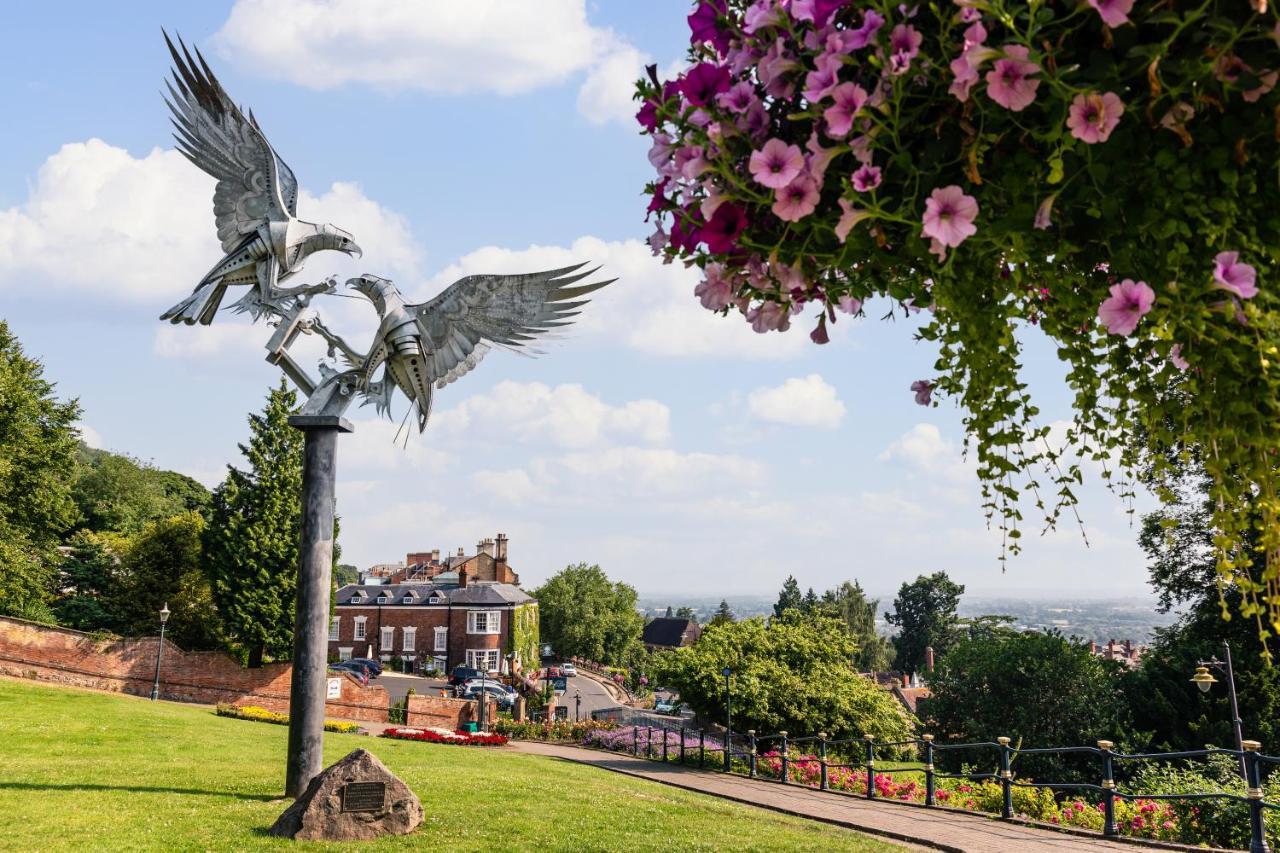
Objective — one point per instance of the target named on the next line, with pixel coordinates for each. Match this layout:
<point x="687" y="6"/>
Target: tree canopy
<point x="117" y="493"/>
<point x="925" y="614"/>
<point x="849" y="603"/>
<point x="584" y="614"/>
<point x="789" y="597"/>
<point x="38" y="443"/>
<point x="791" y="673"/>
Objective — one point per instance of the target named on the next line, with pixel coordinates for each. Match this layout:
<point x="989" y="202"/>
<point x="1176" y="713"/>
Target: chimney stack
<point x="462" y="578"/>
<point x="928" y="658"/>
<point x="500" y="549"/>
<point x="435" y="555"/>
<point x="460" y="552"/>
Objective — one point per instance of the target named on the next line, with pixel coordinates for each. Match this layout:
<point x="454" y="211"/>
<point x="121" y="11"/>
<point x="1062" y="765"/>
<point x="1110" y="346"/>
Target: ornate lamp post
<point x="1204" y="680"/>
<point x="577" y="705"/>
<point x="164" y="617"/>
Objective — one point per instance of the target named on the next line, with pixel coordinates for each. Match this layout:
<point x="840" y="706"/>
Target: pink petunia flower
<point x="849" y="305"/>
<point x="849" y="217"/>
<point x="857" y="39"/>
<point x="1010" y="83"/>
<point x="1176" y="359"/>
<point x="1113" y="12"/>
<point x="866" y="178"/>
<point x="1044" y="213"/>
<point x="738" y="99"/>
<point x="776" y="164"/>
<point x="716" y="290"/>
<point x="818" y="158"/>
<point x="904" y="44"/>
<point x="816" y="11"/>
<point x="769" y="316"/>
<point x="761" y="14"/>
<point x="1128" y="303"/>
<point x="849" y="100"/>
<point x="965" y="66"/>
<point x="657" y="240"/>
<point x="923" y="389"/>
<point x="1235" y="277"/>
<point x="777" y="62"/>
<point x="797" y="199"/>
<point x="1093" y="116"/>
<point x="819" y="334"/>
<point x="822" y="81"/>
<point x="949" y="215"/>
<point x="1266" y="82"/>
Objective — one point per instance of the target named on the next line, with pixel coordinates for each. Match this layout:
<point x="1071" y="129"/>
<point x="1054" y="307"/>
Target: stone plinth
<point x="356" y="799"/>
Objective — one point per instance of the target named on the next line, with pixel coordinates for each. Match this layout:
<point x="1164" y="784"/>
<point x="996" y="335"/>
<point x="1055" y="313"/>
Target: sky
<point x="678" y="449"/>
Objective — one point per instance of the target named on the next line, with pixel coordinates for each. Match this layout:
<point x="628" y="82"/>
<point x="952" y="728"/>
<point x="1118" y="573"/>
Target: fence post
<point x="635" y="740"/>
<point x="1006" y="779"/>
<point x="682" y="745"/>
<point x="1109" y="789"/>
<point x="783" y="735"/>
<point x="751" y="735"/>
<point x="1253" y="775"/>
<point x="929" y="782"/>
<point x="871" y="766"/>
<point x="822" y="757"/>
<point x="664" y="743"/>
<point x="702" y="748"/>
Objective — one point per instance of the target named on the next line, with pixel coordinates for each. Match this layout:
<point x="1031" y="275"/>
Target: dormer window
<point x="435" y="598"/>
<point x="383" y="598"/>
<point x="357" y="597"/>
<point x="410" y="597"/>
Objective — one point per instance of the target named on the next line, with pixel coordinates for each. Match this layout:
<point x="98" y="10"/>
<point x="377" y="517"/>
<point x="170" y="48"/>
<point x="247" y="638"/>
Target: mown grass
<point x="81" y="770"/>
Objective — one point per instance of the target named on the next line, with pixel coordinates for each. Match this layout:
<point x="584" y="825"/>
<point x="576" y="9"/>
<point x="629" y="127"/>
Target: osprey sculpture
<point x="418" y="347"/>
<point x="255" y="204"/>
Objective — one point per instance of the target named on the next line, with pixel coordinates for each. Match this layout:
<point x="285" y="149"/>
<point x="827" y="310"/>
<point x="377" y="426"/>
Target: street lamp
<point x="728" y="718"/>
<point x="1204" y="680"/>
<point x="164" y="617"/>
<point x="577" y="705"/>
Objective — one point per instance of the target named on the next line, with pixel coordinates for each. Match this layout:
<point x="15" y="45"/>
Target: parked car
<point x="360" y="673"/>
<point x="374" y="667"/>
<point x="668" y="706"/>
<point x="462" y="674"/>
<point x="504" y="696"/>
<point x="358" y="667"/>
<point x="569" y="670"/>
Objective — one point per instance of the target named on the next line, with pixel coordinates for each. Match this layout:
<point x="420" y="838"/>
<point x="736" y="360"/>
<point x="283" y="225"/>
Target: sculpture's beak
<point x="353" y="249"/>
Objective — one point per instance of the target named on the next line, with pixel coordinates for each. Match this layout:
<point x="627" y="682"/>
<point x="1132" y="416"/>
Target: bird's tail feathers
<point x="200" y="306"/>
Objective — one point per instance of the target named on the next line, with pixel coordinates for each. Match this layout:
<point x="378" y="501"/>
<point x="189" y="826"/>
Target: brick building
<point x="447" y="621"/>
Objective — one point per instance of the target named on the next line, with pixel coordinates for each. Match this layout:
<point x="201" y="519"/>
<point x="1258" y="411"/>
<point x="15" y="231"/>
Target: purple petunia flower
<point x="704" y="24"/>
<point x="949" y="216"/>
<point x="1128" y="303"/>
<point x="866" y="178"/>
<point x="818" y="12"/>
<point x="1011" y="83"/>
<point x="776" y="164"/>
<point x="849" y="100"/>
<point x="923" y="389"/>
<point x="797" y="199"/>
<point x="1235" y="277"/>
<point x="1113" y="12"/>
<point x="723" y="229"/>
<point x="1093" y="116"/>
<point x="703" y="82"/>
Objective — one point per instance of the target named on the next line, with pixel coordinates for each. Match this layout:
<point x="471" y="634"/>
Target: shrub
<point x="557" y="730"/>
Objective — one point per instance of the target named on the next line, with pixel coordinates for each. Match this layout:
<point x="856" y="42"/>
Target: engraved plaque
<point x="364" y="796"/>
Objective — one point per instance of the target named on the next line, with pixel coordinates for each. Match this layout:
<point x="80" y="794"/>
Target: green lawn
<point x="85" y="770"/>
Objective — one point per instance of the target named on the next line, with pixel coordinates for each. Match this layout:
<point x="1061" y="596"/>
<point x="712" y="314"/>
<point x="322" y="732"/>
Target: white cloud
<point x="566" y="415"/>
<point x="90" y="436"/>
<point x="809" y="402"/>
<point x="606" y="94"/>
<point x="923" y="449"/>
<point x="513" y="486"/>
<point x="442" y="47"/>
<point x="223" y="338"/>
<point x="373" y="447"/>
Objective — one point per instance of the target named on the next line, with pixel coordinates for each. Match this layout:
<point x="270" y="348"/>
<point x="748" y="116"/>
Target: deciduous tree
<point x="585" y="614"/>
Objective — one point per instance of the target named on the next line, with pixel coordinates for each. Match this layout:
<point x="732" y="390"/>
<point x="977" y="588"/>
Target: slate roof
<point x="665" y="631"/>
<point x="399" y="594"/>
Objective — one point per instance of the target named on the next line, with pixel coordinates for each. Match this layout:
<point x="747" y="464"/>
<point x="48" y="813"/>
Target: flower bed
<point x="557" y="730"/>
<point x="262" y="715"/>
<point x="436" y="735"/>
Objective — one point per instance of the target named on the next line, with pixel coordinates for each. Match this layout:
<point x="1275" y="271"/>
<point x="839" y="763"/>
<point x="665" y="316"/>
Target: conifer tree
<point x="251" y="544"/>
<point x="38" y="442"/>
<point x="789" y="598"/>
<point x="723" y="614"/>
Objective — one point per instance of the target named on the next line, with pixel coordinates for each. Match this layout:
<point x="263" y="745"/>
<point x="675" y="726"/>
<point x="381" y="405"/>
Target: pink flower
<point x="849" y="305"/>
<point x="1175" y="357"/>
<point x="776" y="164"/>
<point x="738" y="99"/>
<point x="1092" y="116"/>
<point x="1044" y="212"/>
<point x="703" y="82"/>
<point x="1240" y="279"/>
<point x="704" y="24"/>
<point x="1129" y="302"/>
<point x="817" y="11"/>
<point x="849" y="217"/>
<point x="904" y="44"/>
<point x="849" y="99"/>
<point x="1113" y="12"/>
<point x="716" y="290"/>
<point x="923" y="389"/>
<point x="777" y="62"/>
<point x="769" y="316"/>
<point x="1011" y="84"/>
<point x="797" y="199"/>
<point x="949" y="215"/>
<point x="819" y="334"/>
<point x="965" y="66"/>
<point x="857" y="39"/>
<point x="657" y="240"/>
<point x="722" y="231"/>
<point x="818" y="158"/>
<point x="761" y="14"/>
<point x="1266" y="82"/>
<point x="866" y="178"/>
<point x="820" y="83"/>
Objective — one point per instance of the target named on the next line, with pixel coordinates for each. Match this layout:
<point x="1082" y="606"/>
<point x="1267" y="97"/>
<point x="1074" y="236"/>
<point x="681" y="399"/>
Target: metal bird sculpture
<point x="430" y="344"/>
<point x="255" y="202"/>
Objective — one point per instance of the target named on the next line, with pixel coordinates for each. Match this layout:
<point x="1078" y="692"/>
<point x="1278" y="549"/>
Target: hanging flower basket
<point x="1102" y="172"/>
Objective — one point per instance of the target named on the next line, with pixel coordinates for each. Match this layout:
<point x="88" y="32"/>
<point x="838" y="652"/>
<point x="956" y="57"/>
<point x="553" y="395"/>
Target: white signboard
<point x="335" y="689"/>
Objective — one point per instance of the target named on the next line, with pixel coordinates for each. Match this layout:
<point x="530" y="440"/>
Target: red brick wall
<point x="445" y="713"/>
<point x="127" y="665"/>
<point x="423" y="617"/>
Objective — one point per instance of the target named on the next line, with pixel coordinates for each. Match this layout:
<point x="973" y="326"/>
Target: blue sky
<point x="678" y="449"/>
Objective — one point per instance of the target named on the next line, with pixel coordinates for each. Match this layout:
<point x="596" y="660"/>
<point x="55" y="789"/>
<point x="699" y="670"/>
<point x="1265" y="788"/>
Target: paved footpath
<point x="940" y="830"/>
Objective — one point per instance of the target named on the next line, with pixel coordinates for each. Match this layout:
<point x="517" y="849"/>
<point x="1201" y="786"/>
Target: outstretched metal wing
<point x="255" y="186"/>
<point x="503" y="310"/>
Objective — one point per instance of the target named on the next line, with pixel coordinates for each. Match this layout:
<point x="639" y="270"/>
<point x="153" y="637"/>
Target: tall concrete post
<point x="311" y="615"/>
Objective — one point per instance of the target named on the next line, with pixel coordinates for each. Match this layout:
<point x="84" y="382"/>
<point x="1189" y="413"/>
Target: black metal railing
<point x="739" y="753"/>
